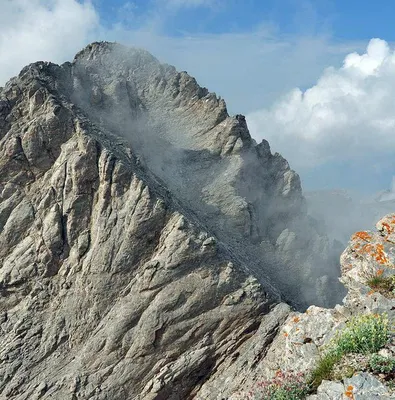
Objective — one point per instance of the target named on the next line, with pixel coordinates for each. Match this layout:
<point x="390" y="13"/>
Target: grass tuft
<point x="365" y="334"/>
<point x="323" y="370"/>
<point x="385" y="285"/>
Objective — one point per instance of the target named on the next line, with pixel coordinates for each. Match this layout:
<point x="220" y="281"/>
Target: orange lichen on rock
<point x="296" y="320"/>
<point x="347" y="267"/>
<point x="388" y="227"/>
<point x="380" y="272"/>
<point x="368" y="248"/>
<point x="376" y="251"/>
<point x="361" y="235"/>
<point x="349" y="392"/>
<point x="379" y="254"/>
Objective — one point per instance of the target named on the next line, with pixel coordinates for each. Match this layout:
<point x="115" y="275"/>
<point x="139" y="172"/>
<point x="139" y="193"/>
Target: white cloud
<point x="33" y="30"/>
<point x="249" y="69"/>
<point x="347" y="117"/>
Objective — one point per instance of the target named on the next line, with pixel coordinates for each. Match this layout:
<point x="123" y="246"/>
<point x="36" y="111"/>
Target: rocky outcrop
<point x="361" y="386"/>
<point x="302" y="337"/>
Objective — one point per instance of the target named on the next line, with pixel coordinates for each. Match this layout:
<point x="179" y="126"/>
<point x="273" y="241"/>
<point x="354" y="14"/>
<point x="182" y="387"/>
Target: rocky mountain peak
<point x="238" y="188"/>
<point x="143" y="233"/>
<point x="96" y="50"/>
<point x="181" y="137"/>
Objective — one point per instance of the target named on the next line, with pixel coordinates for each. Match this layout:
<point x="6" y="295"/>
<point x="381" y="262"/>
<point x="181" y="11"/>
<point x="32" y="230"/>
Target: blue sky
<point x="344" y="19"/>
<point x="314" y="78"/>
<point x="350" y="24"/>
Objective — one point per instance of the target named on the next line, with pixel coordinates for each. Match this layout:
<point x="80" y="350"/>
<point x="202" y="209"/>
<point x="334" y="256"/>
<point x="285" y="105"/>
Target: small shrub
<point x="364" y="334"/>
<point x="391" y="385"/>
<point x="285" y="386"/>
<point x="380" y="364"/>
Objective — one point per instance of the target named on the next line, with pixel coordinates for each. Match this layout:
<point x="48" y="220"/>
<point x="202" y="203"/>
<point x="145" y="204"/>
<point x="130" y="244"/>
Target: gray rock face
<point x="144" y="235"/>
<point x="300" y="340"/>
<point x="250" y="199"/>
<point x="108" y="288"/>
<point x="361" y="386"/>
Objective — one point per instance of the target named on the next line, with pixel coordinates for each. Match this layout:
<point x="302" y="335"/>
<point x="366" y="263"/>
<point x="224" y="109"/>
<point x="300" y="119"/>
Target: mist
<point x="185" y="141"/>
<point x="343" y="130"/>
<point x="344" y="212"/>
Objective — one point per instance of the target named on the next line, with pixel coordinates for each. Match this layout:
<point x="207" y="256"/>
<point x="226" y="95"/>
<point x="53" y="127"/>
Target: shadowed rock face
<point x="143" y="233"/>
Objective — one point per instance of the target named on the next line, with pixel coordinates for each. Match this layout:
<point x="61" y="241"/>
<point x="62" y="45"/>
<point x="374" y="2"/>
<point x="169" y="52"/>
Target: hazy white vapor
<point x="248" y="69"/>
<point x="50" y="30"/>
<point x="347" y="116"/>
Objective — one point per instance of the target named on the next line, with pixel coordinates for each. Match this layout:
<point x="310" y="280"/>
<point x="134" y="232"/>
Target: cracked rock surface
<point x="300" y="340"/>
<point x="146" y="241"/>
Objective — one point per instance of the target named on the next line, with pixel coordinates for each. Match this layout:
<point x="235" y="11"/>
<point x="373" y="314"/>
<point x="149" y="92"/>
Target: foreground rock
<point x="361" y="386"/>
<point x="301" y="339"/>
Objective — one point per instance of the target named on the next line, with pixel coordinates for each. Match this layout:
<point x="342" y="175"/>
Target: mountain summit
<point x="143" y="233"/>
<point x="182" y="134"/>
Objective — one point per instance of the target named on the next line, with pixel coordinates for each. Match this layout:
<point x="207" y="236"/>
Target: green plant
<point x="284" y="386"/>
<point x="323" y="370"/>
<point x="365" y="334"/>
<point x="391" y="384"/>
<point x="380" y="364"/>
<point x="383" y="284"/>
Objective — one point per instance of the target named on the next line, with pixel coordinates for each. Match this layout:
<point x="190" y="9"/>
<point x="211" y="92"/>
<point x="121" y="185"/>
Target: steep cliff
<point x="143" y="233"/>
<point x="250" y="199"/>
